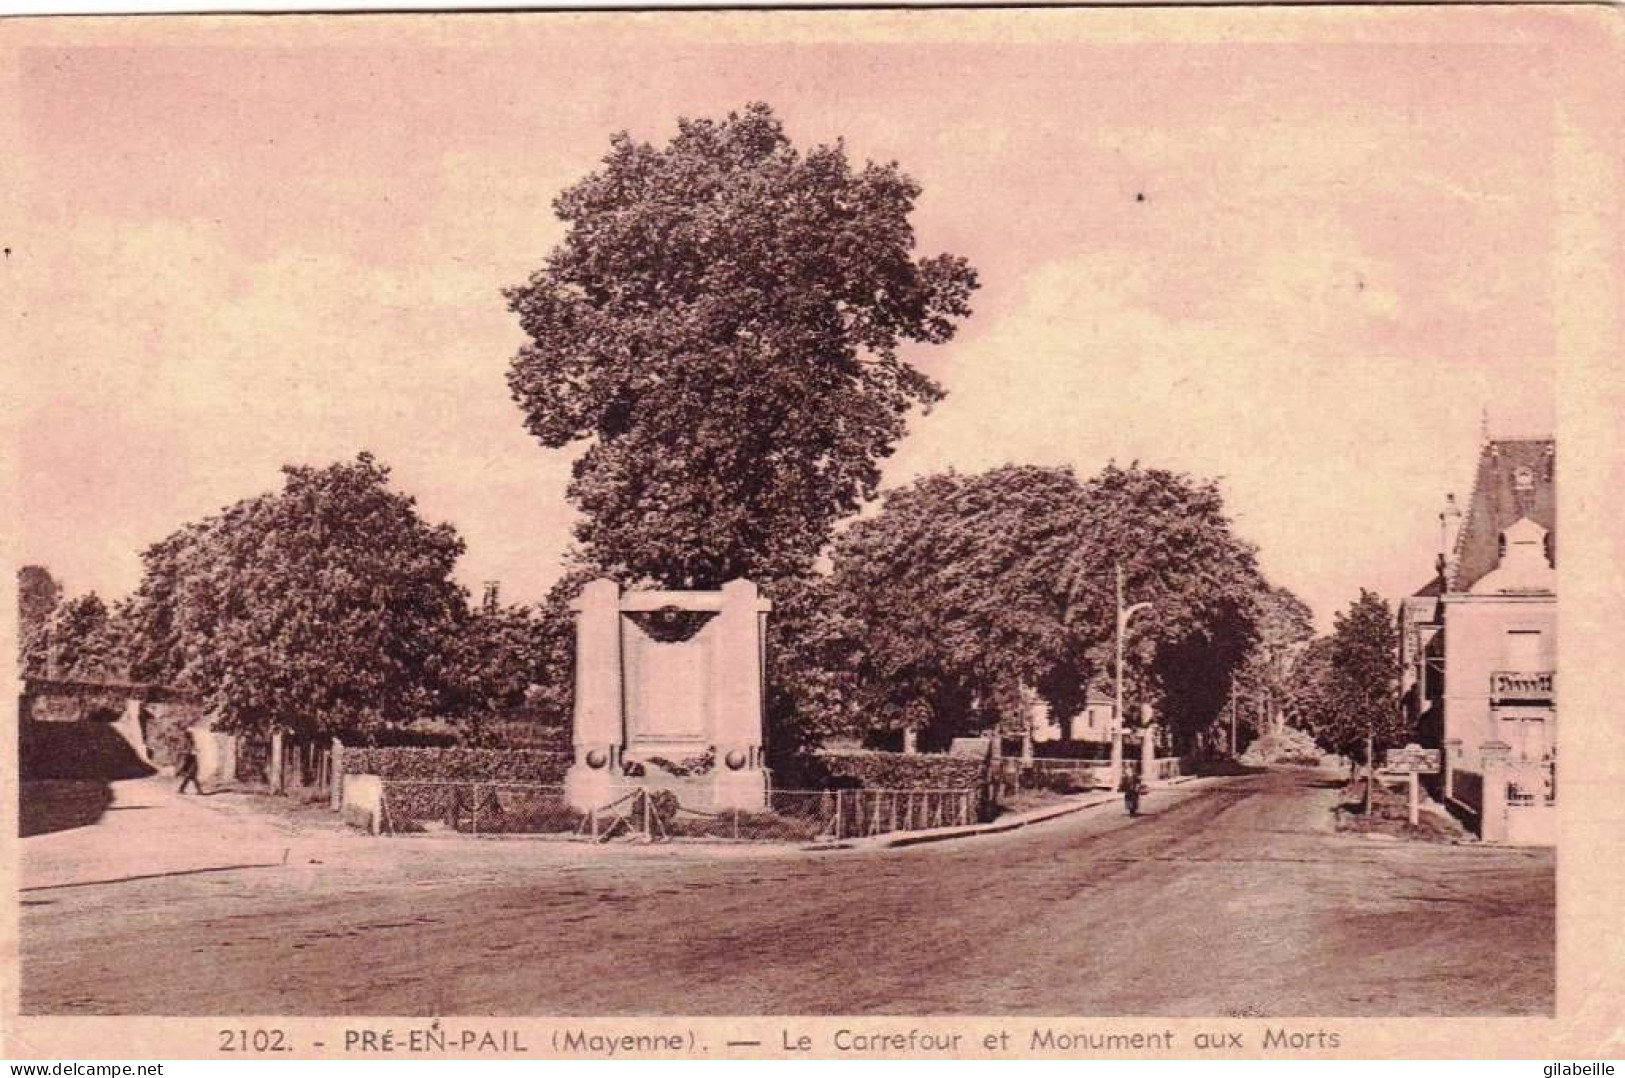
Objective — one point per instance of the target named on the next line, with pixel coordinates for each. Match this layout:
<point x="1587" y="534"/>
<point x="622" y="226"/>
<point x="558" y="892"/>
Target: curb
<point x="997" y="827"/>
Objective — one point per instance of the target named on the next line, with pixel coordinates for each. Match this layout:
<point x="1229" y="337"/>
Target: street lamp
<point x="1124" y="615"/>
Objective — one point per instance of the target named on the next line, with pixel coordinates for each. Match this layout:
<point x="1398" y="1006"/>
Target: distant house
<point x="1478" y="644"/>
<point x="1091" y="725"/>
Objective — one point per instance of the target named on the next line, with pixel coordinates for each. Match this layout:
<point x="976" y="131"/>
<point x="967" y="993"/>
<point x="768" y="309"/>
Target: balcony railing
<point x="1517" y="686"/>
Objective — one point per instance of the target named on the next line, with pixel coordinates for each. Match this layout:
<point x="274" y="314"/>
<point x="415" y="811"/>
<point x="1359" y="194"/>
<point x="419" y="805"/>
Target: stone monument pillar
<point x="599" y="731"/>
<point x="736" y="699"/>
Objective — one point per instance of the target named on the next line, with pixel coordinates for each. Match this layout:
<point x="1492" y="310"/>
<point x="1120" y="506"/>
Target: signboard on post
<point x="1413" y="760"/>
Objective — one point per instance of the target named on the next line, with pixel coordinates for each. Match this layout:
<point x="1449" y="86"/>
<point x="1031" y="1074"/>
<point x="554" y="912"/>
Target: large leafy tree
<point x="1170" y="535"/>
<point x="951" y="594"/>
<point x="963" y="591"/>
<point x="720" y="329"/>
<point x="327" y="607"/>
<point x="38" y="595"/>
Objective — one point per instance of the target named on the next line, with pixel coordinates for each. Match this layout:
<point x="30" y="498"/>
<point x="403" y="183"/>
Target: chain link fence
<point x="422" y="806"/>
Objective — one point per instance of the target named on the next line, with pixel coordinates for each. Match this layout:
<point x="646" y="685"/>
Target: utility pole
<point x="1123" y="617"/>
<point x="1370" y="764"/>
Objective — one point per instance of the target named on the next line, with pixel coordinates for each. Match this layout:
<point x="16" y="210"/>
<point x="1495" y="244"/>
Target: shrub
<point x="447" y="765"/>
<point x="883" y="771"/>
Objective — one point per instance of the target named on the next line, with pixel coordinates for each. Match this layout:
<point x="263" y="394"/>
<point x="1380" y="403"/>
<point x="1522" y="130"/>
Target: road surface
<point x="1233" y="898"/>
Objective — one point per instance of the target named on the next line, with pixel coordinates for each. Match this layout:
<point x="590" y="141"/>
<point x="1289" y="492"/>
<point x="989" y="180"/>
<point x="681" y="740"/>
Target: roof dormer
<point x="1524" y="563"/>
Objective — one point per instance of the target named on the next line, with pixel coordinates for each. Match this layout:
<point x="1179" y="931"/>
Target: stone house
<point x="1478" y="645"/>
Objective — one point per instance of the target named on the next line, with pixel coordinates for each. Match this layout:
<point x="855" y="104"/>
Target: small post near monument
<point x="1413" y="761"/>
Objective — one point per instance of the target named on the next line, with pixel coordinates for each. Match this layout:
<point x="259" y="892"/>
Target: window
<point x="1523" y="650"/>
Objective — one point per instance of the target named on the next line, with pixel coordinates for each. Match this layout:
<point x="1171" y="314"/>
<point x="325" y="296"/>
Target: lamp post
<point x="1124" y="615"/>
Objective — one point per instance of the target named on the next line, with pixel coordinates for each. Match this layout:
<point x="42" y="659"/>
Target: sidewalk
<point x="151" y="830"/>
<point x="999" y="826"/>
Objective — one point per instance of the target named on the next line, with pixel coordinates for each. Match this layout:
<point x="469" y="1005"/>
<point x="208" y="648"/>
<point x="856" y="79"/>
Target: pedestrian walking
<point x="1131" y="788"/>
<point x="188" y="770"/>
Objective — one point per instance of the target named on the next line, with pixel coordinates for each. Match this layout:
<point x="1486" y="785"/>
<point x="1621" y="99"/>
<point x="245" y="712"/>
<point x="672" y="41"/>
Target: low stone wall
<point x="1532" y="823"/>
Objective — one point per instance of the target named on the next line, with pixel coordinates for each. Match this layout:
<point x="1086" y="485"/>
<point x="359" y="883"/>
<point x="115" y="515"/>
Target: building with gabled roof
<point x="1478" y="644"/>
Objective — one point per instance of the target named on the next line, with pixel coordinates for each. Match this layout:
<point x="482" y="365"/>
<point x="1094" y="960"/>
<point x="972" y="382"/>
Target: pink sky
<point x="252" y="242"/>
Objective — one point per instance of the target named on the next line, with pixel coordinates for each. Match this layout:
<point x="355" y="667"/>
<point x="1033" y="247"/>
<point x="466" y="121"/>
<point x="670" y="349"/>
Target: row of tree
<point x="719" y="337"/>
<point x="326" y="607"/>
<point x="720" y="333"/>
<point x="965" y="597"/>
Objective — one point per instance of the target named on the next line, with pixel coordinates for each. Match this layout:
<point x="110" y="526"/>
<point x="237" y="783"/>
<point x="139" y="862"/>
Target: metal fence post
<point x="838" y="819"/>
<point x="475" y="825"/>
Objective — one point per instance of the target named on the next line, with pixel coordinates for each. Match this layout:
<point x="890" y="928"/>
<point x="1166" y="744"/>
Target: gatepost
<point x="335" y="767"/>
<point x="1492" y="819"/>
<point x="1148" y="745"/>
<point x="1452" y="753"/>
<point x="275" y="775"/>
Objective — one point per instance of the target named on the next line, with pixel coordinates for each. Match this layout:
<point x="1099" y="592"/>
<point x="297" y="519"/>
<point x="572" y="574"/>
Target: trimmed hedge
<point x="446" y="765"/>
<point x="883" y="771"/>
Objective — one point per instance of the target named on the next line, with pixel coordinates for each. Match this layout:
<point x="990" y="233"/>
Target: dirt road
<point x="1228" y="899"/>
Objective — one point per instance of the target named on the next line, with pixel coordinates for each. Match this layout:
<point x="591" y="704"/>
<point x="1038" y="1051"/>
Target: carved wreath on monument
<point x="670" y="624"/>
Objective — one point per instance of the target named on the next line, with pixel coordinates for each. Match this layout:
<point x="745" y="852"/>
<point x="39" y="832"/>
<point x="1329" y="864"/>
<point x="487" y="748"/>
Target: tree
<point x="1307" y="693"/>
<point x="1285" y="625"/>
<point x="38" y="594"/>
<point x="952" y="600"/>
<point x="84" y="641"/>
<point x="813" y="654"/>
<point x="326" y="607"/>
<point x="721" y="329"/>
<point x="1360" y="702"/>
<point x="498" y="653"/>
<point x="1173" y="539"/>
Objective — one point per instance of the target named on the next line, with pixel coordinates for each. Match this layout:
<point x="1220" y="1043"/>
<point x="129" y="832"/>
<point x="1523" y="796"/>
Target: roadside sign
<point x="1412" y="760"/>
